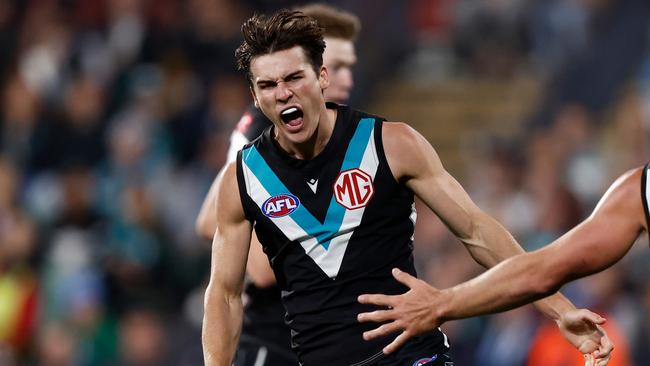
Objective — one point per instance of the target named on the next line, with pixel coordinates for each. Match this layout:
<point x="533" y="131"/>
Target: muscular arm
<point x="258" y="268"/>
<point x="592" y="246"/>
<point x="422" y="308"/>
<point x="223" y="305"/>
<point x="418" y="166"/>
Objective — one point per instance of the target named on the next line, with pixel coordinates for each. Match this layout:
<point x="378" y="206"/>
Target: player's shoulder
<point x="631" y="181"/>
<point x="625" y="194"/>
<point x="399" y="130"/>
<point x="408" y="153"/>
<point x="229" y="203"/>
<point x="402" y="138"/>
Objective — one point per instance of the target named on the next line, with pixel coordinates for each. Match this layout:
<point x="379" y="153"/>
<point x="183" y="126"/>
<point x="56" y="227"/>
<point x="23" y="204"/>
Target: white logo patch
<point x="313" y="184"/>
<point x="353" y="188"/>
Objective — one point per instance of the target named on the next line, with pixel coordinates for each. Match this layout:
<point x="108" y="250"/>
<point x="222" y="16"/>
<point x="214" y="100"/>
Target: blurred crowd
<point x="115" y="117"/>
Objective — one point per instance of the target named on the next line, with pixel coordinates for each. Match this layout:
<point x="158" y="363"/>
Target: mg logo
<point x="353" y="188"/>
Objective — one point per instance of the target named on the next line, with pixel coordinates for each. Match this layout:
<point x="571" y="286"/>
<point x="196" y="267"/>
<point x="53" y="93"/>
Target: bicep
<point x="232" y="237"/>
<point x="607" y="235"/>
<point x="229" y="255"/>
<point x="447" y="198"/>
<point x="415" y="162"/>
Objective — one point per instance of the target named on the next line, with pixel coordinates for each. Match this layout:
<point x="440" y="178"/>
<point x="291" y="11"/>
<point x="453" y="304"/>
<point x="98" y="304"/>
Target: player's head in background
<point x="282" y="55"/>
<point x="340" y="31"/>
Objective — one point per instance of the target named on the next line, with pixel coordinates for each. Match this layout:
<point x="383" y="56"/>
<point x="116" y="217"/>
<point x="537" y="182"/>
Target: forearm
<point x="503" y="246"/>
<point x="222" y="323"/>
<point x="489" y="243"/>
<point x="510" y="284"/>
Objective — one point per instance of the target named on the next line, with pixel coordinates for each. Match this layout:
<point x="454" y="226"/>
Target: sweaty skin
<point x="592" y="246"/>
<point x="285" y="79"/>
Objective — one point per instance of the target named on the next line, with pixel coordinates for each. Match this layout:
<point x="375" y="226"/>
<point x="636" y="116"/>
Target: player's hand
<point x="412" y="313"/>
<point x="582" y="329"/>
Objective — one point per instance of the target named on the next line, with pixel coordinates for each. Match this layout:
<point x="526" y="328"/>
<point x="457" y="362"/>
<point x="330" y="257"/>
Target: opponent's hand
<point x="582" y="329"/>
<point x="412" y="312"/>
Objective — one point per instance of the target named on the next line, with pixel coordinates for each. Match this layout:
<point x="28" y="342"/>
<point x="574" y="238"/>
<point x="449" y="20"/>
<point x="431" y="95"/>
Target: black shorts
<point x="418" y="351"/>
<point x="439" y="359"/>
<point x="253" y="352"/>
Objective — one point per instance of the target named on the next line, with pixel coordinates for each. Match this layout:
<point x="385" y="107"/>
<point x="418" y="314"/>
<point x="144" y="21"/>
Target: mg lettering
<point x="353" y="188"/>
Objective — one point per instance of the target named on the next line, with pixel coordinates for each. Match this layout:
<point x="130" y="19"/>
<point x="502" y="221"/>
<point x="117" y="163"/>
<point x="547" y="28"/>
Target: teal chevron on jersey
<point x="272" y="184"/>
<point x="330" y="245"/>
<point x="301" y="225"/>
<point x="323" y="232"/>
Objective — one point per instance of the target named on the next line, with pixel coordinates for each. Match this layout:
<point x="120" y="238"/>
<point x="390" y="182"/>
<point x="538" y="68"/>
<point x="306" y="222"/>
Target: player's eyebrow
<point x="269" y="82"/>
<point x="291" y="75"/>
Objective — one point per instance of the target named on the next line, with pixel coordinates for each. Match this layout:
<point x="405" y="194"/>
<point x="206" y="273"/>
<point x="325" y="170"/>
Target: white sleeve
<point x="237" y="141"/>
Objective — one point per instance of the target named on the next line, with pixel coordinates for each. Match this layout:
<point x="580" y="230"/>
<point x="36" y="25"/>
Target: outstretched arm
<point x="414" y="162"/>
<point x="487" y="241"/>
<point x="223" y="305"/>
<point x="592" y="246"/>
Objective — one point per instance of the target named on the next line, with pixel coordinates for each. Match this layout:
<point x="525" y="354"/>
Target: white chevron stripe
<point x="329" y="261"/>
<point x="259" y="194"/>
<point x="352" y="218"/>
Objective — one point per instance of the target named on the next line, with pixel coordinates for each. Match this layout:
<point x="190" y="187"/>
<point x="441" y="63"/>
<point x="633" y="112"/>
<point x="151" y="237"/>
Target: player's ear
<point x="255" y="102"/>
<point x="323" y="78"/>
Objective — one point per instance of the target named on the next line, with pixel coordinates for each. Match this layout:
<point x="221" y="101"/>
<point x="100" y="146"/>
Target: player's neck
<point x="317" y="142"/>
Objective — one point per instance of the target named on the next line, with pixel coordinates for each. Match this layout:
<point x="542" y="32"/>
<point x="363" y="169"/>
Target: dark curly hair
<point x="281" y="31"/>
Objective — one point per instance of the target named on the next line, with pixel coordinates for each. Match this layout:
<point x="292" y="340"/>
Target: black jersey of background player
<point x="333" y="227"/>
<point x="263" y="312"/>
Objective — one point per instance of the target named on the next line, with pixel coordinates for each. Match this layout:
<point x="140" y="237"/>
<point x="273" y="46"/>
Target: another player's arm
<point x="223" y="305"/>
<point x="414" y="162"/>
<point x="487" y="241"/>
<point x="257" y="268"/>
<point x="206" y="221"/>
<point x="592" y="246"/>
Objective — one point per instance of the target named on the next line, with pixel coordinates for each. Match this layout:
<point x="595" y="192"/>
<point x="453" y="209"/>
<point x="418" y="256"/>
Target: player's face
<point x="339" y="58"/>
<point x="289" y="92"/>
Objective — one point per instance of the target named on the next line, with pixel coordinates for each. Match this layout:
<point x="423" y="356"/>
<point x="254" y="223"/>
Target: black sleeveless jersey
<point x="263" y="313"/>
<point x="333" y="228"/>
<point x="645" y="194"/>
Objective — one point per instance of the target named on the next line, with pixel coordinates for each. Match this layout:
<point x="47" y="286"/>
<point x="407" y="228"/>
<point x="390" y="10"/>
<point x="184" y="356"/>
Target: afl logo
<point x="353" y="188"/>
<point x="280" y="205"/>
<point x="424" y="361"/>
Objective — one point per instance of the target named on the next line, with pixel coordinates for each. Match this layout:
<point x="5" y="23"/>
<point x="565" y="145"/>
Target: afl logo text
<point x="424" y="361"/>
<point x="280" y="205"/>
<point x="353" y="188"/>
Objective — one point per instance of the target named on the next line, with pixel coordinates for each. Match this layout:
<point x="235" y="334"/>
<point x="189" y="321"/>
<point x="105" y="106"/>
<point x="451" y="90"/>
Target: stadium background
<point x="115" y="117"/>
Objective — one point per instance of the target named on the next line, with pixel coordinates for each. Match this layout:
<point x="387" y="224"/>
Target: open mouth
<point x="291" y="116"/>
